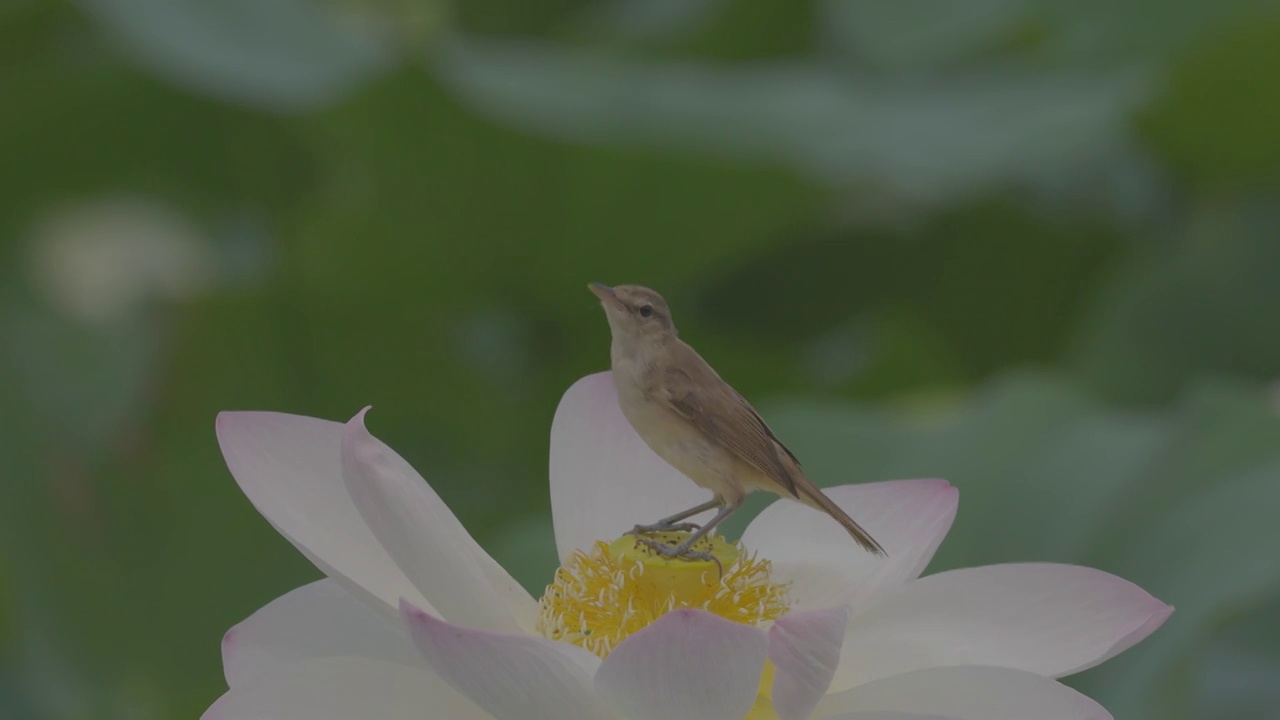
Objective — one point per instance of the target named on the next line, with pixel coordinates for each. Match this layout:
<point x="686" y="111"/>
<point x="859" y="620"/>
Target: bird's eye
<point x="646" y="310"/>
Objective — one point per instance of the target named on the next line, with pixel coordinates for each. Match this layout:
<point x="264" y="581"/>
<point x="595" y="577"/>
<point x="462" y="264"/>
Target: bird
<point x="697" y="422"/>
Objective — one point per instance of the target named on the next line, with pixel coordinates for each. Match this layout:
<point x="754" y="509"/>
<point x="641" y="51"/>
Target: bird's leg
<point x="672" y="523"/>
<point x="682" y="550"/>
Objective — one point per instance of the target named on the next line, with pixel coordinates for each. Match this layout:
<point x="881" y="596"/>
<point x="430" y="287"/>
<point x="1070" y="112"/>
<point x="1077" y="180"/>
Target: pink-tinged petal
<point x="1052" y="620"/>
<point x="604" y="479"/>
<point x="290" y="467"/>
<point x="966" y="693"/>
<point x="342" y="689"/>
<point x="686" y="664"/>
<point x="314" y="621"/>
<point x="513" y="677"/>
<point x="455" y="575"/>
<point x="824" y="565"/>
<point x="804" y="648"/>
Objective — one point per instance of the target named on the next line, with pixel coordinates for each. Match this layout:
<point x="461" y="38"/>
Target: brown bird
<point x="698" y="423"/>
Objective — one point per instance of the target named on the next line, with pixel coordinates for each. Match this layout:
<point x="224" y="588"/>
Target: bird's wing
<point x="694" y="392"/>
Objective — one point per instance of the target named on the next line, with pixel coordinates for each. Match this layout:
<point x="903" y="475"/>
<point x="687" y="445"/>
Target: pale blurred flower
<point x="98" y="261"/>
<point x="415" y="620"/>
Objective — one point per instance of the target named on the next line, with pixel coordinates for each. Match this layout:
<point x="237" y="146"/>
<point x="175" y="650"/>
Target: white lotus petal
<point x="314" y="621"/>
<point x="804" y="648"/>
<point x="824" y="565"/>
<point x="513" y="677"/>
<point x="290" y="467"/>
<point x="966" y="693"/>
<point x="343" y="689"/>
<point x="604" y="479"/>
<point x="1052" y="620"/>
<point x="450" y="569"/>
<point x="686" y="664"/>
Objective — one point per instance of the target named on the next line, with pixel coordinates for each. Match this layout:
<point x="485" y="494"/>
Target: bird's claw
<point x="660" y="528"/>
<point x="679" y="551"/>
<point x="698" y="555"/>
<point x="658" y="546"/>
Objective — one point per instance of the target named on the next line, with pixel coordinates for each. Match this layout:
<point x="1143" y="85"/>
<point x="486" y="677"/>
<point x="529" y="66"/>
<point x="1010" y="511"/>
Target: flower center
<point x="598" y="599"/>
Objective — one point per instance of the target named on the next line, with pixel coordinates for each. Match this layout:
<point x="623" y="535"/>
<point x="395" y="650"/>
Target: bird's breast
<point x="674" y="440"/>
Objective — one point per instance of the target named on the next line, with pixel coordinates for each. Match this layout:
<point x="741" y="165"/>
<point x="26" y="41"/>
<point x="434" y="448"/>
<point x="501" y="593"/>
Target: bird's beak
<point x="605" y="293"/>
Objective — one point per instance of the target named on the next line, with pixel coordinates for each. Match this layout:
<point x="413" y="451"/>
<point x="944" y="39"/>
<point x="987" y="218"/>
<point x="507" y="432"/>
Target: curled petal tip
<point x="356" y="433"/>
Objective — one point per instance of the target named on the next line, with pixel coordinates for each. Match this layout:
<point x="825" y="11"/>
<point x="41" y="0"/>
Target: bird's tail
<point x="810" y="495"/>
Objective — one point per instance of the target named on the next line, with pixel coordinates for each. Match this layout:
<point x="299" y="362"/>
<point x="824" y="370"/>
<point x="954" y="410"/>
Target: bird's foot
<point x="682" y="551"/>
<point x="664" y="527"/>
<point x="659" y="547"/>
<point x="692" y="555"/>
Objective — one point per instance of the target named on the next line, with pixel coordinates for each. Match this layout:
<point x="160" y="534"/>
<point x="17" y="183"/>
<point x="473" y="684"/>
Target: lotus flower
<point x="415" y="620"/>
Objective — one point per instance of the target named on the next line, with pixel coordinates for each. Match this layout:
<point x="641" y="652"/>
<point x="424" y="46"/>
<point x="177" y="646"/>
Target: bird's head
<point x="636" y="313"/>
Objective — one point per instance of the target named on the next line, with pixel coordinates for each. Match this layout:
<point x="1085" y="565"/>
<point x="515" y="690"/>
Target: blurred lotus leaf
<point x="931" y="140"/>
<point x="281" y="55"/>
<point x="649" y="19"/>
<point x="914" y="34"/>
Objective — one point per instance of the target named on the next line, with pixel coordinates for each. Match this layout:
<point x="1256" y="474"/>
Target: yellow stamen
<point x="599" y="599"/>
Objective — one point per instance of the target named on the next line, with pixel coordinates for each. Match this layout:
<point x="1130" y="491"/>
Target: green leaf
<point x="1215" y="122"/>
<point x="1196" y="310"/>
<point x="940" y="288"/>
<point x="84" y="383"/>
<point x="1101" y="31"/>
<point x="1240" y="678"/>
<point x="526" y="547"/>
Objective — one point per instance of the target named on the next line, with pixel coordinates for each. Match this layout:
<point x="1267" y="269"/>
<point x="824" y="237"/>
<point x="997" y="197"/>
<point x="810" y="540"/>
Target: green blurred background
<point x="1032" y="246"/>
